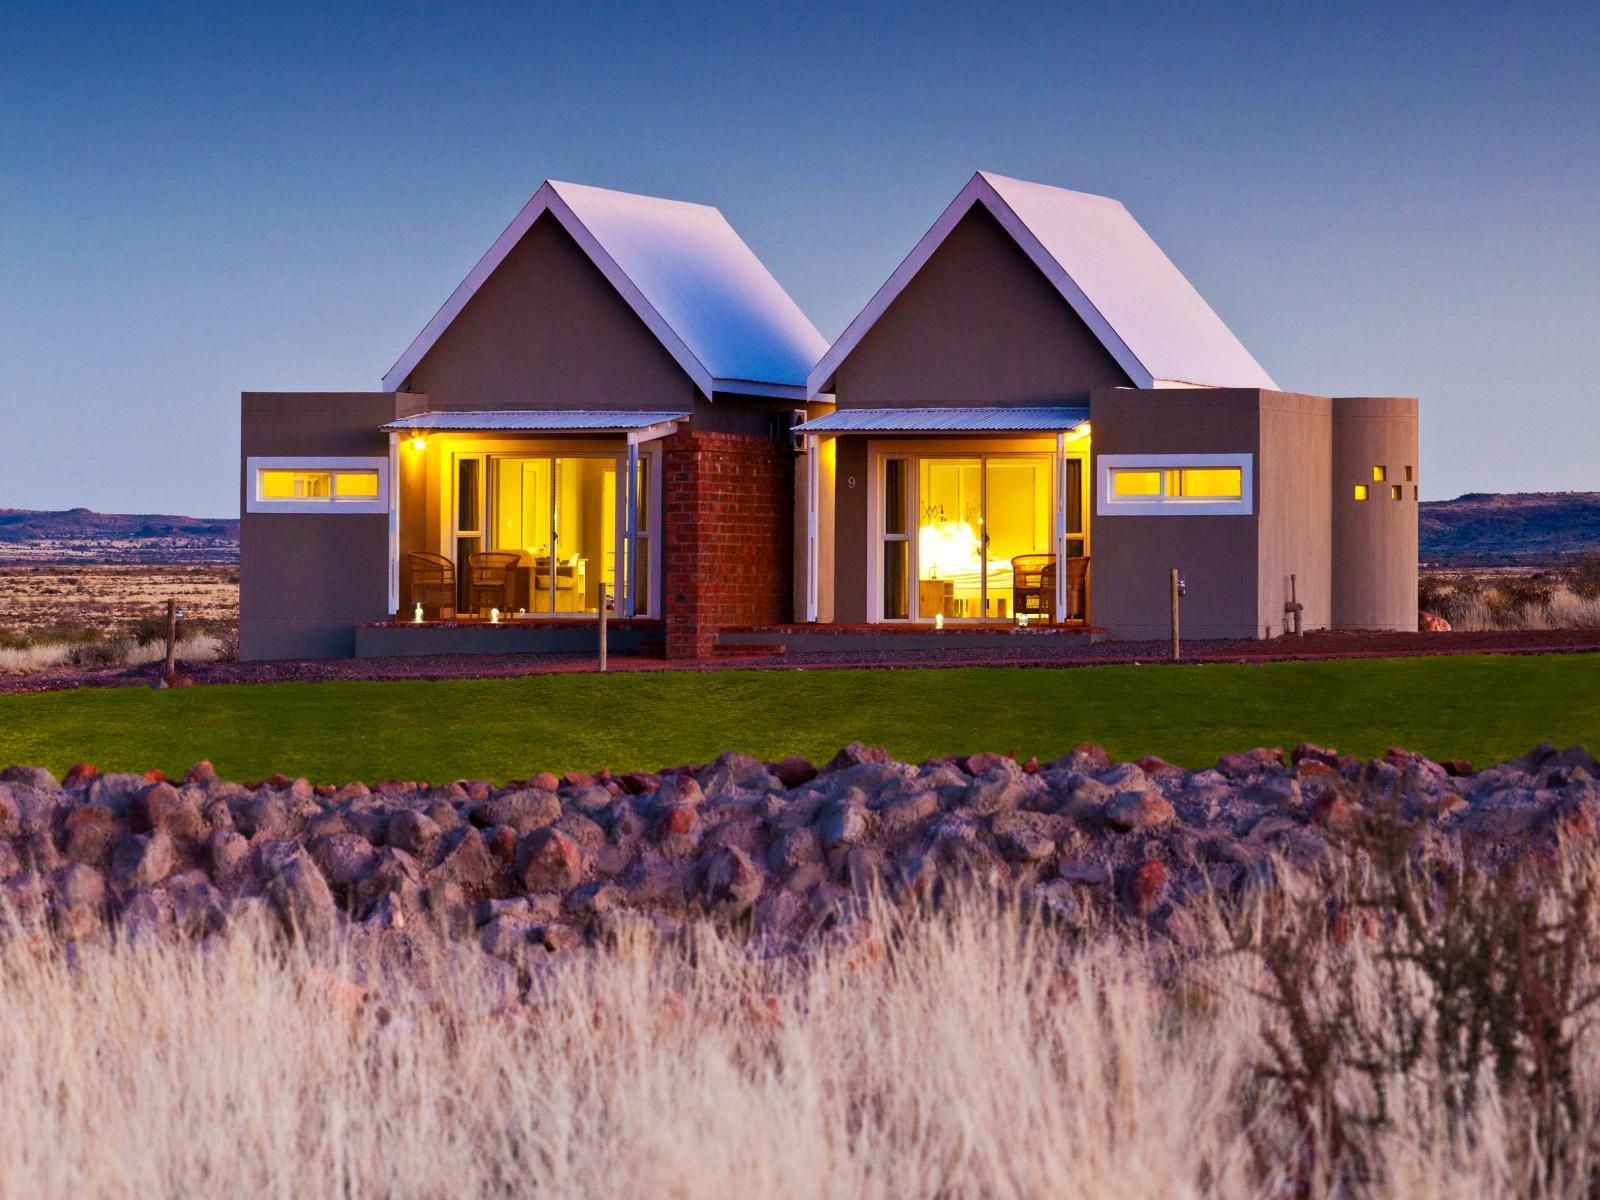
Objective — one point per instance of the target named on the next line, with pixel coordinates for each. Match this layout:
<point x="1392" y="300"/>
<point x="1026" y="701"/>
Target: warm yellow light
<point x="947" y="550"/>
<point x="1379" y="474"/>
<point x="356" y="485"/>
<point x="1361" y="491"/>
<point x="1136" y="483"/>
<point x="1224" y="482"/>
<point x="419" y="443"/>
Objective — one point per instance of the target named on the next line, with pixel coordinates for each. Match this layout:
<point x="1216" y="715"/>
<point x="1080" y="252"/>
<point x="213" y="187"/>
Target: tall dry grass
<point x="973" y="1052"/>
<point x="43" y="656"/>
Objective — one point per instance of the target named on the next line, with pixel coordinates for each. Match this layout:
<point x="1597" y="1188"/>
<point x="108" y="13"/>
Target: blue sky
<point x="196" y="201"/>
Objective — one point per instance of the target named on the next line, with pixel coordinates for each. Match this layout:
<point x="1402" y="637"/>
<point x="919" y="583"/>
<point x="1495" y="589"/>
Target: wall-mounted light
<point x="419" y="442"/>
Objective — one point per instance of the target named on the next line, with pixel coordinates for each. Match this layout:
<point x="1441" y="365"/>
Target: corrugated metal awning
<point x="947" y="420"/>
<point x="559" y="420"/>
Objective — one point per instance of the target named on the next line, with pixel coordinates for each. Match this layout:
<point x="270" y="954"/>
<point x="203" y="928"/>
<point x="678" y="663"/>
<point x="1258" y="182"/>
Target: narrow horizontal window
<point x="296" y="485"/>
<point x="1211" y="483"/>
<point x="1192" y="485"/>
<point x="283" y="484"/>
<point x="1136" y="483"/>
<point x="1361" y="491"/>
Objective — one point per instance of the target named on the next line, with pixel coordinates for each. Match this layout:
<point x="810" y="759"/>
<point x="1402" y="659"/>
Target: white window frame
<point x="256" y="503"/>
<point x="1109" y="505"/>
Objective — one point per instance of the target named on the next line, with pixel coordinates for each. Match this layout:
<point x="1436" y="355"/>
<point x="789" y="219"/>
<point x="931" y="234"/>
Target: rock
<point x="593" y="899"/>
<point x="469" y="866"/>
<point x="997" y="790"/>
<point x="792" y="848"/>
<point x="680" y="820"/>
<point x="414" y="832"/>
<point x="842" y="822"/>
<point x="344" y="859"/>
<point x="679" y="789"/>
<point x="198" y="908"/>
<point x="262" y="812"/>
<point x="1428" y="622"/>
<point x="301" y="898"/>
<point x="1025" y="845"/>
<point x="524" y="810"/>
<point x="732" y="771"/>
<point x="35" y="777"/>
<point x="139" y="861"/>
<point x="1138" y="812"/>
<point x="793" y="771"/>
<point x="549" y="861"/>
<point x="1143" y="889"/>
<point x="80" y="885"/>
<point x="855" y="754"/>
<point x="161" y="806"/>
<point x="907" y="812"/>
<point x="228" y="854"/>
<point x="89" y="831"/>
<point x="731" y="881"/>
<point x="10" y="814"/>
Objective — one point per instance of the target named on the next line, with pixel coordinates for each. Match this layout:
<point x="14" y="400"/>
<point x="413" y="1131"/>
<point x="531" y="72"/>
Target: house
<point x="1038" y="417"/>
<point x="601" y="408"/>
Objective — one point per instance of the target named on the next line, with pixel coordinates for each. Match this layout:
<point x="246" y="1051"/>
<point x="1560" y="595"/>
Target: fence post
<point x="172" y="638"/>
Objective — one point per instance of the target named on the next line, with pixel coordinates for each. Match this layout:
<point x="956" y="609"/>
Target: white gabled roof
<point x="1145" y="313"/>
<point x="565" y="420"/>
<point x="684" y="270"/>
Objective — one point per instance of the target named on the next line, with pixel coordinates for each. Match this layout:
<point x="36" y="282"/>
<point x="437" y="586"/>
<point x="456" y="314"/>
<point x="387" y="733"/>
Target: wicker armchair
<point x="1033" y="585"/>
<point x="1078" y="588"/>
<point x="489" y="579"/>
<point x="433" y="583"/>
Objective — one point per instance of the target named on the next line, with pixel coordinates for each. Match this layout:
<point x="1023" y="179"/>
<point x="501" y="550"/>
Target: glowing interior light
<point x="948" y="549"/>
<point x="419" y="443"/>
<point x="417" y="619"/>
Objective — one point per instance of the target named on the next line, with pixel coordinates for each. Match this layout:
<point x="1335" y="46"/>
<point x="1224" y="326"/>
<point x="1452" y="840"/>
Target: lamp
<point x="938" y="620"/>
<point x="494" y="616"/>
<point x="418" y="442"/>
<point x="417" y="618"/>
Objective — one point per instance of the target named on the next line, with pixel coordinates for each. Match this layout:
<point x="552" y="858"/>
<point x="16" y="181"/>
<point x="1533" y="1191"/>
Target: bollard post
<point x="604" y="603"/>
<point x="1177" y="591"/>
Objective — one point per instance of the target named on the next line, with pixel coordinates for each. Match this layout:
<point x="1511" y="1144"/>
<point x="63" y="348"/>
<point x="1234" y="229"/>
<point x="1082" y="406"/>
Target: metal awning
<point x="947" y="420"/>
<point x="559" y="420"/>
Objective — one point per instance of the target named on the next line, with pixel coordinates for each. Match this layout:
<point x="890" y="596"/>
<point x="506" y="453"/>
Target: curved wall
<point x="1374" y="582"/>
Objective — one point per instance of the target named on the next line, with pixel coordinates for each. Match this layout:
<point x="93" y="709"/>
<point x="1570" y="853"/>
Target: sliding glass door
<point x="559" y="515"/>
<point x="971" y="537"/>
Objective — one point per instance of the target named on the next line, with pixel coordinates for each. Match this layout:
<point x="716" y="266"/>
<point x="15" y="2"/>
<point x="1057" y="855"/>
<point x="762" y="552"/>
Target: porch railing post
<point x="604" y="599"/>
<point x="631" y="580"/>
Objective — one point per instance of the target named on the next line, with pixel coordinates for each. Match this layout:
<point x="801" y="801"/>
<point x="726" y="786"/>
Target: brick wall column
<point x="728" y="555"/>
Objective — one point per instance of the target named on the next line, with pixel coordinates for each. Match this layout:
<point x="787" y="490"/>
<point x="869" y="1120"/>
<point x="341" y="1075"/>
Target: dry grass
<point x="1511" y="599"/>
<point x="34" y="657"/>
<point x="969" y="1053"/>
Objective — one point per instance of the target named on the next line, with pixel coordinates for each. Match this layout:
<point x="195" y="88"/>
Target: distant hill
<point x="78" y="534"/>
<point x="1487" y="528"/>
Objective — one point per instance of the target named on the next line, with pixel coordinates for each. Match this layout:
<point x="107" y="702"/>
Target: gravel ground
<point x="1067" y="652"/>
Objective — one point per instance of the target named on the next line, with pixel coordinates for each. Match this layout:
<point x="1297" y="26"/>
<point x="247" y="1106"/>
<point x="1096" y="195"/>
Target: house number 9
<point x="850" y="481"/>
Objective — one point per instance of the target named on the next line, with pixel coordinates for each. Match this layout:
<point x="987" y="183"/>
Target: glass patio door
<point x="981" y="542"/>
<point x="559" y="515"/>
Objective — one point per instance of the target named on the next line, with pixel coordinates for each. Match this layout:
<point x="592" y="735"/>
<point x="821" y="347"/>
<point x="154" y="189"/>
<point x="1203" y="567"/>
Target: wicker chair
<point x="1033" y="585"/>
<point x="1078" y="588"/>
<point x="489" y="579"/>
<point x="433" y="583"/>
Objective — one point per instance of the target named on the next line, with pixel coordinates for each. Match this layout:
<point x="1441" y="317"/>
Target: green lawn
<point x="1479" y="708"/>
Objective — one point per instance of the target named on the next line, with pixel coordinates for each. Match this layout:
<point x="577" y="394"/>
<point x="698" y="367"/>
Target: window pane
<point x="356" y="485"/>
<point x="295" y="485"/>
<point x="1135" y="483"/>
<point x="1209" y="482"/>
<point x="1021" y="564"/>
<point x="949" y="532"/>
<point x="1361" y="491"/>
<point x="1379" y="474"/>
<point x="642" y="573"/>
<point x="1074" y="495"/>
<point x="1396" y="491"/>
<point x="896" y="480"/>
<point x="896" y="580"/>
<point x="642" y="523"/>
<point x="467" y="517"/>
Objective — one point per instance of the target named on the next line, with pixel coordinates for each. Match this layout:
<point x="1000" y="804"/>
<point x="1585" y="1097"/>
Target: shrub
<point x="1433" y="593"/>
<point x="1583" y="576"/>
<point x="101" y="653"/>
